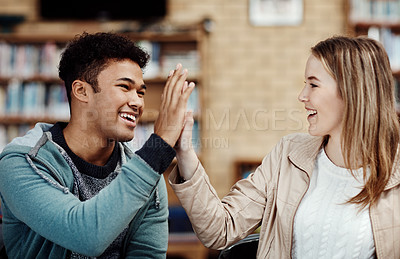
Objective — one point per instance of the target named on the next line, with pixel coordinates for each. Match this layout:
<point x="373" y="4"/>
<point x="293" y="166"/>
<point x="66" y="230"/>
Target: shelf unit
<point x="244" y="167"/>
<point x="182" y="45"/>
<point x="379" y="20"/>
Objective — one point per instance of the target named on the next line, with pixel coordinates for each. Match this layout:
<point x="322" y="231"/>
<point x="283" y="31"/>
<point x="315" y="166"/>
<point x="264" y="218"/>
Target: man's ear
<point x="80" y="90"/>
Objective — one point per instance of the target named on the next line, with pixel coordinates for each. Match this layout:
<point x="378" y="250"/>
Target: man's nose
<point x="135" y="100"/>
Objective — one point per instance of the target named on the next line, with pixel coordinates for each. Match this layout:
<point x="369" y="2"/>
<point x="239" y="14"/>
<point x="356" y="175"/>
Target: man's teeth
<point x="128" y="116"/>
<point x="311" y="112"/>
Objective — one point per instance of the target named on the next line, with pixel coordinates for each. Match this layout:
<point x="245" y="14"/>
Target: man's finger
<point x="178" y="74"/>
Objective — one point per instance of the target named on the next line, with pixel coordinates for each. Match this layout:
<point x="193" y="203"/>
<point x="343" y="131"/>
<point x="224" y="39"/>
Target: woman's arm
<point x="217" y="223"/>
<point x="185" y="154"/>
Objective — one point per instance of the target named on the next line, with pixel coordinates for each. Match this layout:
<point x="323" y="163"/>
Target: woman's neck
<point x="333" y="150"/>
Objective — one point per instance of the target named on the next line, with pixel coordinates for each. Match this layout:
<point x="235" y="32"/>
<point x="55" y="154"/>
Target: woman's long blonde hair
<point x="370" y="134"/>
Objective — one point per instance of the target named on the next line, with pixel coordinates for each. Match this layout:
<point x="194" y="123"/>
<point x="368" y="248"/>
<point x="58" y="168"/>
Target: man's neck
<point x="87" y="146"/>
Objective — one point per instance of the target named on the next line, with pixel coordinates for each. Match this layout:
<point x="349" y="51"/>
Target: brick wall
<point x="254" y="75"/>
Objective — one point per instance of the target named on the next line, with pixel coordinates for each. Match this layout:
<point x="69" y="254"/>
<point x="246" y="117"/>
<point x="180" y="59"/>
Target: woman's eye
<point x="312" y="85"/>
<point x="141" y="93"/>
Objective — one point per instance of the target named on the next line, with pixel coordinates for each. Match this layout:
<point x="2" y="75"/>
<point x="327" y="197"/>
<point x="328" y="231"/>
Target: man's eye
<point x="124" y="86"/>
<point x="313" y="85"/>
<point x="141" y="93"/>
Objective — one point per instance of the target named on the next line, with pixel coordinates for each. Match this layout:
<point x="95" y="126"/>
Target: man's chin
<point x="127" y="139"/>
<point x="122" y="138"/>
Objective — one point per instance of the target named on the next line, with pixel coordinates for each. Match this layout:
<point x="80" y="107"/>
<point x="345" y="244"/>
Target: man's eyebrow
<point x="143" y="86"/>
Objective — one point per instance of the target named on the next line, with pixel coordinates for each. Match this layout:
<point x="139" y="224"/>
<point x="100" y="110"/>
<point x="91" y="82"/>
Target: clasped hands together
<point x="174" y="123"/>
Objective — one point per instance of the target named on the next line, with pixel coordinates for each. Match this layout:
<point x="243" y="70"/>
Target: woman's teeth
<point x="311" y="112"/>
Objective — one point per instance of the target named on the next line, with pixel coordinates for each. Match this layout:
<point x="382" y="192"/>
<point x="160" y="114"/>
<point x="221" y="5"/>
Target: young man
<point x="75" y="190"/>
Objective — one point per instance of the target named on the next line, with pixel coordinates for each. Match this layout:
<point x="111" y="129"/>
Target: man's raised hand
<point x="171" y="118"/>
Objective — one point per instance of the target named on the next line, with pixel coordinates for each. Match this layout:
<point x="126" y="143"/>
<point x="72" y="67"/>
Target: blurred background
<point x="247" y="58"/>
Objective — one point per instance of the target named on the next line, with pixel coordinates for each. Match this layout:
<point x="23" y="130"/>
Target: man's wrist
<point x="157" y="153"/>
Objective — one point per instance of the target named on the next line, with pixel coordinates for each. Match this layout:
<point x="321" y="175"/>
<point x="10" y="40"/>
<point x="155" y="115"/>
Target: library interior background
<point x="247" y="58"/>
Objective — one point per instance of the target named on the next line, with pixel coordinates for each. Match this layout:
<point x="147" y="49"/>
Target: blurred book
<point x="374" y="11"/>
<point x="152" y="70"/>
<point x="57" y="102"/>
<point x="33" y="103"/>
<point x="142" y="133"/>
<point x="28" y="60"/>
<point x="189" y="60"/>
<point x="14" y="97"/>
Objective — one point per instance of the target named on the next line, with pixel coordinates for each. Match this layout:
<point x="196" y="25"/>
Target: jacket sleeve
<point x="220" y="223"/>
<point x="84" y="227"/>
<point x="149" y="236"/>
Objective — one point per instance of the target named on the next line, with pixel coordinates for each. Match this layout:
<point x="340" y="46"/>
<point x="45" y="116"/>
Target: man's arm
<point x="85" y="227"/>
<point x="89" y="227"/>
<point x="158" y="151"/>
<point x="149" y="237"/>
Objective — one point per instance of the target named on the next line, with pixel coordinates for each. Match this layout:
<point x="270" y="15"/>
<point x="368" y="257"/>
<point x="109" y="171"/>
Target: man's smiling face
<point x="119" y="103"/>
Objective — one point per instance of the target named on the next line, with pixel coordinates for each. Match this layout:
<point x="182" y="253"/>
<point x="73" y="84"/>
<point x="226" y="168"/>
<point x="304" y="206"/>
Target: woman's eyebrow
<point x="312" y="78"/>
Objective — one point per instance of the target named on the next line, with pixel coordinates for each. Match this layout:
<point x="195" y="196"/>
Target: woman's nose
<point x="303" y="96"/>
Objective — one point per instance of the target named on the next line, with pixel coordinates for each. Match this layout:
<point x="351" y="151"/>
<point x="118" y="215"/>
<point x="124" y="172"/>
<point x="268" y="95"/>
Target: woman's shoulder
<point x="301" y="138"/>
<point x="300" y="146"/>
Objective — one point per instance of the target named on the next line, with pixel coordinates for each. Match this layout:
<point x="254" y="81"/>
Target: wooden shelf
<point x="190" y="34"/>
<point x="55" y="80"/>
<point x="38" y="78"/>
<point x="362" y="26"/>
<point x="396" y="73"/>
<point x="185" y="36"/>
<point x="19" y="119"/>
<point x="186" y="245"/>
<point x="35" y="38"/>
<point x="245" y="166"/>
<point x="367" y="24"/>
<point x="148" y="116"/>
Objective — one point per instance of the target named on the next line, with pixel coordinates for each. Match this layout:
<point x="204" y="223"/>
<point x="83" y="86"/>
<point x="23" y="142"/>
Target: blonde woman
<point x="332" y="193"/>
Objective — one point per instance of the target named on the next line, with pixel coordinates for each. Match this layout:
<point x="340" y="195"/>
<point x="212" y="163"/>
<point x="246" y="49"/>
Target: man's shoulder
<point x="35" y="141"/>
<point x="32" y="136"/>
<point x="14" y="150"/>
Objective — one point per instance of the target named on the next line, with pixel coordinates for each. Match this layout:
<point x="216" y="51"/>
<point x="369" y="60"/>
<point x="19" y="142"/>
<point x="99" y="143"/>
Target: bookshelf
<point x="379" y="20"/>
<point x="245" y="167"/>
<point x="30" y="90"/>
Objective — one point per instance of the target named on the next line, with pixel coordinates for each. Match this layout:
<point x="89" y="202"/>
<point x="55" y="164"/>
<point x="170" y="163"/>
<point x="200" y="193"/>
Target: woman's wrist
<point x="187" y="164"/>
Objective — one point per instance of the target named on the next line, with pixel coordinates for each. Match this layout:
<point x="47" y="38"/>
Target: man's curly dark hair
<point x="89" y="54"/>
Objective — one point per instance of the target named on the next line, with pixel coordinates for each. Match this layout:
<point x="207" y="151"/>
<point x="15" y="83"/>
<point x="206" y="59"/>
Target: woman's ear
<point x="80" y="90"/>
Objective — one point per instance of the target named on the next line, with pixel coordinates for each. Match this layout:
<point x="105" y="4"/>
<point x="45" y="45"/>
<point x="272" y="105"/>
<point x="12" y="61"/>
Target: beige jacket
<point x="270" y="197"/>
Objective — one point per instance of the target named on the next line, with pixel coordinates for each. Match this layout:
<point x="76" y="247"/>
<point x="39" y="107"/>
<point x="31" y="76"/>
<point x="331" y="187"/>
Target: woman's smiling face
<point x="320" y="95"/>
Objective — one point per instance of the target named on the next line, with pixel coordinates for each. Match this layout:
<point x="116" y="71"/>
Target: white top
<point x="327" y="227"/>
